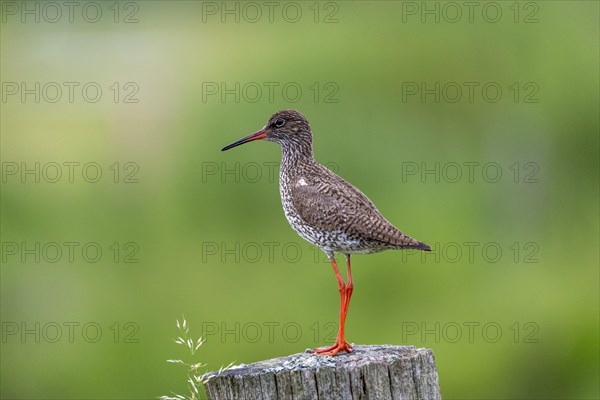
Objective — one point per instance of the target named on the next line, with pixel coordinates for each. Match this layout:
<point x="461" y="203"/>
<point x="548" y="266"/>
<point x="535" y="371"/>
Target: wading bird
<point x="324" y="209"/>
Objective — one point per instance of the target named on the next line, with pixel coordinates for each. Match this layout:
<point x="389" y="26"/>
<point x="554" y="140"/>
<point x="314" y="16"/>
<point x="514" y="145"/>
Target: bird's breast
<point x="329" y="240"/>
<point x="291" y="214"/>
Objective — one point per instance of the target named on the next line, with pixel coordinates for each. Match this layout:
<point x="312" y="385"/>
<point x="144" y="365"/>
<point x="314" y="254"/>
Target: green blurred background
<point x="520" y="325"/>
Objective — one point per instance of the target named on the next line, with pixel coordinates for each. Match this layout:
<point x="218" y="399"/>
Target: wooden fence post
<point x="369" y="372"/>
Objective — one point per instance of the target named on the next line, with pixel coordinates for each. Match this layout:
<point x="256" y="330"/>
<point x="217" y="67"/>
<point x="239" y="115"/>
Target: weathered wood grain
<point x="369" y="372"/>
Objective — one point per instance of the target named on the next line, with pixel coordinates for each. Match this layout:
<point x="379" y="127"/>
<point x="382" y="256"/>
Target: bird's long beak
<point x="258" y="135"/>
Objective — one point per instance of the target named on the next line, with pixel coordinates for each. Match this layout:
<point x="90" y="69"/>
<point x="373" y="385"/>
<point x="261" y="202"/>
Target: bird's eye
<point x="279" y="122"/>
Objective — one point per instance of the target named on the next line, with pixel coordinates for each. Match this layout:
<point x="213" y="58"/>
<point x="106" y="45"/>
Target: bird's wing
<point x="336" y="203"/>
<point x="321" y="205"/>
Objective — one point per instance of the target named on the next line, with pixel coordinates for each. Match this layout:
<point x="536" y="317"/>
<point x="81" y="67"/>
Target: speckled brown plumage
<point x="320" y="206"/>
<point x="324" y="209"/>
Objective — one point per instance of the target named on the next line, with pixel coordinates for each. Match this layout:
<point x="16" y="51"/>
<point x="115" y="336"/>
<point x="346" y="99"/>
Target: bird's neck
<point x="296" y="155"/>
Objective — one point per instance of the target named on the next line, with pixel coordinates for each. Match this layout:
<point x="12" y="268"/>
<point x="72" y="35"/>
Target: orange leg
<point x="349" y="290"/>
<point x="345" y="293"/>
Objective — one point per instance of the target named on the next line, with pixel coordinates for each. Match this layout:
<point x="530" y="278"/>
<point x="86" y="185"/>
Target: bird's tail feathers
<point x="422" y="246"/>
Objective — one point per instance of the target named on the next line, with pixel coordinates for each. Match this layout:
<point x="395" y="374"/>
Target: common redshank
<point x="326" y="210"/>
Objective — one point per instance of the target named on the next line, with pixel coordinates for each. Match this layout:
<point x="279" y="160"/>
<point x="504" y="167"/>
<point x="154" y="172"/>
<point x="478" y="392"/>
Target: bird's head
<point x="288" y="128"/>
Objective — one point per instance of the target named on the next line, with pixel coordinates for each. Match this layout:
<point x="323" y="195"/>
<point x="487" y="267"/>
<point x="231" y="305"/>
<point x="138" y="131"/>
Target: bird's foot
<point x="333" y="350"/>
